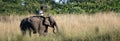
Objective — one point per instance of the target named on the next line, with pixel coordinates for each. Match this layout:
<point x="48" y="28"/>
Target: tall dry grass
<point x="82" y="27"/>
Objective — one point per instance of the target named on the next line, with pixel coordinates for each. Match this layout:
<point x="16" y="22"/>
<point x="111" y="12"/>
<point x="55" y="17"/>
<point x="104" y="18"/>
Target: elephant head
<point x="53" y="23"/>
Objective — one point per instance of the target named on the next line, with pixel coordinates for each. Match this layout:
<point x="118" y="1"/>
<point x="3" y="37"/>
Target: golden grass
<point x="81" y="27"/>
<point x="81" y="23"/>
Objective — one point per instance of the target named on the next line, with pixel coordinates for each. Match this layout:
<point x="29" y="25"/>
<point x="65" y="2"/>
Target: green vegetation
<point x="102" y="37"/>
<point x="8" y="7"/>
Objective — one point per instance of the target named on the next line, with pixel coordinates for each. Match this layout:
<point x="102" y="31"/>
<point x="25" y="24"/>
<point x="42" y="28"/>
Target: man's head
<point x="43" y="7"/>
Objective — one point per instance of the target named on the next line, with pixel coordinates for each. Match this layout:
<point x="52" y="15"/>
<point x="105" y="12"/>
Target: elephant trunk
<point x="56" y="28"/>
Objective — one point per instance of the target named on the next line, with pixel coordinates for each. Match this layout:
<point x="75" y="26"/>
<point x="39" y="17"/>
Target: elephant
<point x="38" y="24"/>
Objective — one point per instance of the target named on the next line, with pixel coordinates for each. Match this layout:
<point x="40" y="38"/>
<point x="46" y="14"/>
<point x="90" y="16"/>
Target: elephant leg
<point x="23" y="32"/>
<point x="53" y="29"/>
<point x="30" y="32"/>
<point x="46" y="31"/>
<point x="33" y="29"/>
<point x="41" y="31"/>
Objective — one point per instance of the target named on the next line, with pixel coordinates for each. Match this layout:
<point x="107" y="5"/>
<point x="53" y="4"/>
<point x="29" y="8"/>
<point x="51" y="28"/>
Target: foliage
<point x="73" y="6"/>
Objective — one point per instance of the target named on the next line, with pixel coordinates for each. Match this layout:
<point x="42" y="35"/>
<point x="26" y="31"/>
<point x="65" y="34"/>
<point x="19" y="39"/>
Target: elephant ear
<point x="51" y="20"/>
<point x="47" y="22"/>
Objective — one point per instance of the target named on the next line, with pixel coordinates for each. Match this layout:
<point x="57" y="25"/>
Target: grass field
<point x="82" y="27"/>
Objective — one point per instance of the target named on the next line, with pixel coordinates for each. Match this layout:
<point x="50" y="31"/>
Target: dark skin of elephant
<point x="25" y="25"/>
<point x="37" y="24"/>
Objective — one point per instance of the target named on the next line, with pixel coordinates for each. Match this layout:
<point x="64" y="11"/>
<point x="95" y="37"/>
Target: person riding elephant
<point x="43" y="9"/>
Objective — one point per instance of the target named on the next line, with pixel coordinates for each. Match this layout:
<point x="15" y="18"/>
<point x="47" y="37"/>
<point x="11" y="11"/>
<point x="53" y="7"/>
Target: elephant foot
<point x="45" y="34"/>
<point x="34" y="32"/>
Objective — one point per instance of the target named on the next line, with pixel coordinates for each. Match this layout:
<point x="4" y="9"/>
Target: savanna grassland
<point x="72" y="27"/>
